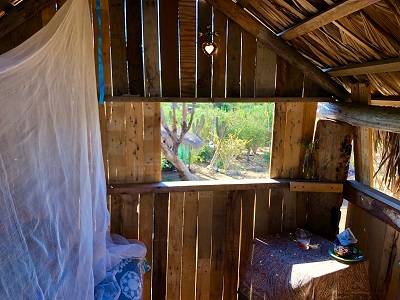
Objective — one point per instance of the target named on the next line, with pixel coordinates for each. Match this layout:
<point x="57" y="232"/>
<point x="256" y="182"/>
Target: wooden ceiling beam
<point x="279" y="46"/>
<point x="371" y="116"/>
<point x="333" y="13"/>
<point x="18" y="15"/>
<point x="370" y="67"/>
<point x="131" y="98"/>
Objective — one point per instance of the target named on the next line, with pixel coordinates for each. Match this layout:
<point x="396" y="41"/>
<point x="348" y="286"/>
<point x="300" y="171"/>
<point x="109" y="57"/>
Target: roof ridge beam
<point x="332" y="13"/>
<point x="279" y="46"/>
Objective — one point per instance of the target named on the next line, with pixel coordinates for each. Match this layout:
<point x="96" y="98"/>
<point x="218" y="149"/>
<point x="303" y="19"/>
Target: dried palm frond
<point x="387" y="144"/>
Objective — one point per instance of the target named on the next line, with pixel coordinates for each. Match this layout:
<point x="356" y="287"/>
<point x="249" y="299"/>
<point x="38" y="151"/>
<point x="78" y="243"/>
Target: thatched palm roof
<point x="369" y="34"/>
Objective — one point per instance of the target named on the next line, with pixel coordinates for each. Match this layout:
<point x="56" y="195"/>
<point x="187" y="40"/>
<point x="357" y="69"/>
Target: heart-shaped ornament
<point x="209" y="48"/>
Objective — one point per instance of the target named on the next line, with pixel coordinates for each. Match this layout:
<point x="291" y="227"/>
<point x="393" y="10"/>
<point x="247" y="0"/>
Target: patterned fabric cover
<point x="129" y="275"/>
<point x="278" y="269"/>
<point x="124" y="281"/>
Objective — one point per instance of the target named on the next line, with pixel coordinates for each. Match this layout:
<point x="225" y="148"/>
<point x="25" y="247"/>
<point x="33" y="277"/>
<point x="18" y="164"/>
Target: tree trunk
<point x="181" y="168"/>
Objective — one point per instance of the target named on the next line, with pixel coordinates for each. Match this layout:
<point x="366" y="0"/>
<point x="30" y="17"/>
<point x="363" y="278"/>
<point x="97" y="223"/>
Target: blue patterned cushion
<point x="129" y="275"/>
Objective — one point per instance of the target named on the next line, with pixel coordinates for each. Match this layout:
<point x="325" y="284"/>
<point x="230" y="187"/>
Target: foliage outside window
<point x="232" y="134"/>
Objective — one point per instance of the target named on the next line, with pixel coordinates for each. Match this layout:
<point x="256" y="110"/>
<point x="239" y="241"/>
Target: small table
<point x="278" y="269"/>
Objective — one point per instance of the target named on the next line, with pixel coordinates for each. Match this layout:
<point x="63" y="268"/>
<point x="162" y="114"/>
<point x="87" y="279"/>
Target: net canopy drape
<point x="53" y="213"/>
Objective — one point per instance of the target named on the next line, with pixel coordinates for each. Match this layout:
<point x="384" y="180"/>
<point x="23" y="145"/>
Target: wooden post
<point x="332" y="163"/>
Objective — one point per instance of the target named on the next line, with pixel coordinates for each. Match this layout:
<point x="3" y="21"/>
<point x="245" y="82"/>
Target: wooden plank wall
<point x="379" y="241"/>
<point x="218" y="225"/>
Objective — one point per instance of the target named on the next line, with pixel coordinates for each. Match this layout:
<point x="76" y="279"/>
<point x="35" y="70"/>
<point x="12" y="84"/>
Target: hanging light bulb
<point x="209" y="47"/>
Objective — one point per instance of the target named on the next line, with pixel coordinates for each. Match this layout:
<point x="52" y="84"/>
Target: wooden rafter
<point x="20" y="14"/>
<point x="370" y="67"/>
<point x="279" y="46"/>
<point x="333" y="13"/>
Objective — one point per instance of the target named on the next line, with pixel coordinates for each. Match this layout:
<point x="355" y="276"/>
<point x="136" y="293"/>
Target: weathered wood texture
<point x="312" y="99"/>
<point x="187" y="22"/>
<point x="216" y="221"/>
<point x="377" y="204"/>
<point x="204" y="63"/>
<point x="377" y="215"/>
<point x="332" y="162"/>
<point x="278" y="45"/>
<point x="134" y="47"/>
<point x="334" y="12"/>
<point x="118" y="47"/>
<point x="233" y="59"/>
<point x="381" y="66"/>
<point x="169" y="48"/>
<point x="376" y="117"/>
<point x="372" y="216"/>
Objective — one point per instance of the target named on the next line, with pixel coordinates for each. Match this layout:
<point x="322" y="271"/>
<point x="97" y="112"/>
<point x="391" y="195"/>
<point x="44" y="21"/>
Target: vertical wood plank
<point x="118" y="47"/>
<point x="187" y="23"/>
<point x="261" y="228"/>
<point x="130" y="217"/>
<point x="275" y="210"/>
<point x="159" y="283"/>
<point x="249" y="50"/>
<point x="219" y="64"/>
<point x="376" y="236"/>
<point x="134" y="47"/>
<point x="247" y="227"/>
<point x="150" y="43"/>
<point x="293" y="139"/>
<point x="393" y="291"/>
<point x="134" y="142"/>
<point x="106" y="47"/>
<point x="387" y="262"/>
<point x="189" y="246"/>
<point x="175" y="245"/>
<point x="116" y="214"/>
<point x="289" y="82"/>
<point x="116" y="142"/>
<point x="218" y="244"/>
<point x="157" y="142"/>
<point x="204" y="245"/>
<point x="169" y="48"/>
<point x="233" y="60"/>
<point x="204" y="63"/>
<point x="278" y="140"/>
<point x="151" y="142"/>
<point x="232" y="244"/>
<point x="289" y="210"/>
<point x="151" y="111"/>
<point x="265" y="72"/>
<point x="309" y="117"/>
<point x="104" y="137"/>
<point x="146" y="210"/>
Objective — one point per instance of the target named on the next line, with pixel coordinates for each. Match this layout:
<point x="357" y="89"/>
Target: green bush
<point x="166" y="165"/>
<point x="204" y="155"/>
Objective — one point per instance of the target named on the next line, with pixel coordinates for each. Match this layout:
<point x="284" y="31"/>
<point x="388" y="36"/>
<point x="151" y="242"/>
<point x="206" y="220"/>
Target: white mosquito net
<point x="53" y="214"/>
